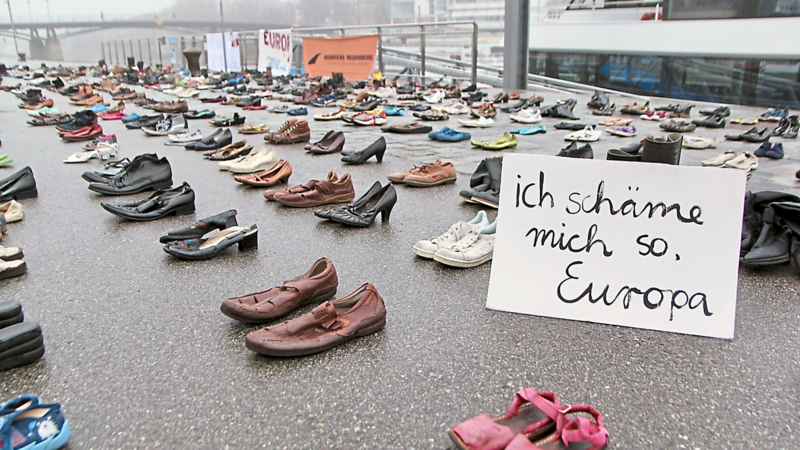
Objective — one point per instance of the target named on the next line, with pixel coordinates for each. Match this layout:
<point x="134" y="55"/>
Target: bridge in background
<point x="49" y="47"/>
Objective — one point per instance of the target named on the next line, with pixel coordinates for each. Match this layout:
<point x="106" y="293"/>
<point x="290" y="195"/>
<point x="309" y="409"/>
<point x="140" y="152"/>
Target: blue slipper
<point x="776" y="152"/>
<point x="298" y="112"/>
<point x="37" y="427"/>
<point x="530" y="130"/>
<point x="762" y="150"/>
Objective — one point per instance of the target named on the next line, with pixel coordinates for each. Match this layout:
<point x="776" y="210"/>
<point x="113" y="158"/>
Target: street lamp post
<point x="222" y="29"/>
<point x="13" y="27"/>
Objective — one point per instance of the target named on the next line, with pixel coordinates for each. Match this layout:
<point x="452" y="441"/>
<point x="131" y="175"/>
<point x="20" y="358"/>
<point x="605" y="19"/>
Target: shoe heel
<point x="284" y="179"/>
<point x="250" y="241"/>
<point x="30" y="193"/>
<point x="386" y="212"/>
<point x="372" y="328"/>
<point x="185" y="209"/>
<point x="379" y="155"/>
<point x="231" y="222"/>
<point x="162" y="185"/>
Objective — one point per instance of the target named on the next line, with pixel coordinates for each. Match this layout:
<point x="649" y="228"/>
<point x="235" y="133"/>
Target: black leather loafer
<point x="178" y="201"/>
<point x="18" y="186"/>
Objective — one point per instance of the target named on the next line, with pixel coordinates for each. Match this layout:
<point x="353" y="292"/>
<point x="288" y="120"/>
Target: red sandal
<point x="531" y="414"/>
<point x="579" y="433"/>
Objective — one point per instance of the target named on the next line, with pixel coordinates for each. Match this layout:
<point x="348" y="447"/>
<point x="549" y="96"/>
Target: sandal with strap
<point x="531" y="413"/>
<point x="579" y="433"/>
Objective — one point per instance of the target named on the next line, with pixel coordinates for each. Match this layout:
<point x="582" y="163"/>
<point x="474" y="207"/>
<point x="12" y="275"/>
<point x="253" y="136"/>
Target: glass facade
<point x="750" y="82"/>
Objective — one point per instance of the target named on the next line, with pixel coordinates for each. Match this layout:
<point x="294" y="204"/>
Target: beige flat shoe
<point x="719" y="160"/>
<point x="12" y="211"/>
<point x="745" y="161"/>
<point x="699" y="143"/>
<point x="10" y="253"/>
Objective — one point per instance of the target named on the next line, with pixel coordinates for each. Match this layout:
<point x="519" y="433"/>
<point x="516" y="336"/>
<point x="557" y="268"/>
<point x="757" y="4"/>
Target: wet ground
<point x="140" y="357"/>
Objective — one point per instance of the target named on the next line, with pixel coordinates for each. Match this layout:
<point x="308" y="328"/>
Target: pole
<point x="47" y="3"/>
<point x="222" y="29"/>
<point x="13" y="27"/>
<point x="515" y="49"/>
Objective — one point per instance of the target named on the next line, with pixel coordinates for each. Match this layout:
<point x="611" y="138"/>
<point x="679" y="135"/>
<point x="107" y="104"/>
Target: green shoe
<point x="507" y="141"/>
<point x="5" y="162"/>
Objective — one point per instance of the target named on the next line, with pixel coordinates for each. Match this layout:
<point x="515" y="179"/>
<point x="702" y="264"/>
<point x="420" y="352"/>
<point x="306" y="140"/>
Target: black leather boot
<point x="491" y="197"/>
<point x="772" y="246"/>
<point x="755" y="203"/>
<point x="479" y="182"/>
<point x="18" y="186"/>
<point x="144" y="172"/>
<point x="664" y="150"/>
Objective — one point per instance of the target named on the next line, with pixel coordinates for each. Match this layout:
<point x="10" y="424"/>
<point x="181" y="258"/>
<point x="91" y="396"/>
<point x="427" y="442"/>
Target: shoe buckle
<point x="567" y="409"/>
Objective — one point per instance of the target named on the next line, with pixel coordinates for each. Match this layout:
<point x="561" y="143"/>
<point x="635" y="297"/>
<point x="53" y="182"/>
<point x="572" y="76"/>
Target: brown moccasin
<point x="278" y="174"/>
<point x="322" y="193"/>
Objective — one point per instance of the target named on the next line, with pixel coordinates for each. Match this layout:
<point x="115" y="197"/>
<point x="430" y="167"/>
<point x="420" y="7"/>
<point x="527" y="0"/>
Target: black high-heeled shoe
<point x="195" y="249"/>
<point x="327" y="213"/>
<point x="378" y="148"/>
<point x="500" y="98"/>
<point x="381" y="201"/>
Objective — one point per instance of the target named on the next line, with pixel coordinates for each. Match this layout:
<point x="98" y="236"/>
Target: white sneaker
<point x="186" y="137"/>
<point x="482" y="122"/>
<point x="434" y="97"/>
<point x="745" y="161"/>
<point x="474" y="249"/>
<point x="455" y="107"/>
<point x="720" y="160"/>
<point x="428" y="247"/>
<point x="587" y="134"/>
<point x="527" y="116"/>
<point x="699" y="142"/>
<point x="262" y="160"/>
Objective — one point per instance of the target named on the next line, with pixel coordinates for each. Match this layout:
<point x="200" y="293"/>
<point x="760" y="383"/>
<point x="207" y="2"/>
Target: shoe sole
<point x="10" y="309"/>
<point x="19" y="318"/>
<point x="320" y="203"/>
<point x="30" y="193"/>
<point x="155" y="187"/>
<point x="14" y="257"/>
<point x="485" y="202"/>
<point x="367" y="330"/>
<point x="15" y="272"/>
<point x="422" y="253"/>
<point x="767" y="261"/>
<point x="467" y="199"/>
<point x="462" y="264"/>
<point x="22" y="359"/>
<point x="437" y="183"/>
<point x="178" y="211"/>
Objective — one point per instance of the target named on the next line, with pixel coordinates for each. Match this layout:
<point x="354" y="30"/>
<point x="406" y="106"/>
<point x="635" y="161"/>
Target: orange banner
<point x="353" y="56"/>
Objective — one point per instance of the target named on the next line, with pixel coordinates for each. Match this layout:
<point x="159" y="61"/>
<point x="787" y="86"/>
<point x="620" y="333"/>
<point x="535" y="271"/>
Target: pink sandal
<point x="579" y="433"/>
<point x="531" y="414"/>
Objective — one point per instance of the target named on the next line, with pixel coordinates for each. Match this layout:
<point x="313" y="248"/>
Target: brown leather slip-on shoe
<point x="316" y="285"/>
<point x="278" y="174"/>
<point x="323" y="193"/>
<point x="286" y="125"/>
<point x="271" y="193"/>
<point x="326" y="326"/>
<point x="432" y="175"/>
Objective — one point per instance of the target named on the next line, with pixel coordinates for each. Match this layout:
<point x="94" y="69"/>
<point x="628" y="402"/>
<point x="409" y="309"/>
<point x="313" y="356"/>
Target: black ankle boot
<point x="772" y="246"/>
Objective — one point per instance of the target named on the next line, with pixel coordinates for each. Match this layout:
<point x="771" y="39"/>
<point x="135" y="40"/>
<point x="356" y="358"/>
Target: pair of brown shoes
<point x="291" y="132"/>
<point x="426" y="175"/>
<point x="332" y="323"/>
<point x="315" y="193"/>
<point x="278" y="174"/>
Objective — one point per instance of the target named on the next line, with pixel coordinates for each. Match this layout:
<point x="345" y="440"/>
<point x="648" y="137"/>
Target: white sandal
<point x="103" y="151"/>
<point x="587" y="134"/>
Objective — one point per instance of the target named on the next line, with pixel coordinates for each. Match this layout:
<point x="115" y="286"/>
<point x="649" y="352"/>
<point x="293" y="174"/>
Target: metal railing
<point x="156" y="51"/>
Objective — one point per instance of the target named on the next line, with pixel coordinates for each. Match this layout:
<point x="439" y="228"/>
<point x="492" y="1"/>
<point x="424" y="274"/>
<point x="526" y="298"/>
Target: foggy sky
<point x="80" y="8"/>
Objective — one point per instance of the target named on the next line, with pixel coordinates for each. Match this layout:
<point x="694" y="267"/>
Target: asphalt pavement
<point x="140" y="356"/>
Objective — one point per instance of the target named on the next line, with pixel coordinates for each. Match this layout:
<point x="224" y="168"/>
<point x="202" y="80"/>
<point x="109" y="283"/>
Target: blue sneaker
<point x="394" y="111"/>
<point x="325" y="100"/>
<point x="298" y="112"/>
<point x="19" y="403"/>
<point x="763" y="149"/>
<point x="776" y="152"/>
<point x="131" y="118"/>
<point x="98" y="108"/>
<point x="40" y="427"/>
<point x="435" y="134"/>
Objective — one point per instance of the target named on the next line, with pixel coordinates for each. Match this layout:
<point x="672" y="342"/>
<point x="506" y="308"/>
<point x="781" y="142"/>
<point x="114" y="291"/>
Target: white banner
<point x="215" y="53"/>
<point x="642" y="245"/>
<point x="275" y="50"/>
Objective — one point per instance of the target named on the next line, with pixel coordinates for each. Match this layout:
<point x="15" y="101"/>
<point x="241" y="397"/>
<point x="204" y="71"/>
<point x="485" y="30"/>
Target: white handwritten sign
<point x="275" y="50"/>
<point x="642" y="245"/>
<point x="216" y="57"/>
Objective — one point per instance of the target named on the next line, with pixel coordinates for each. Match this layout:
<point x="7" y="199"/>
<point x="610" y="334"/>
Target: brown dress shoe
<point x="278" y="174"/>
<point x="322" y="193"/>
<point x="316" y="285"/>
<point x="432" y="175"/>
<point x="326" y="326"/>
<point x="270" y="194"/>
<point x="172" y="107"/>
<point x="299" y="132"/>
<point x="398" y="177"/>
